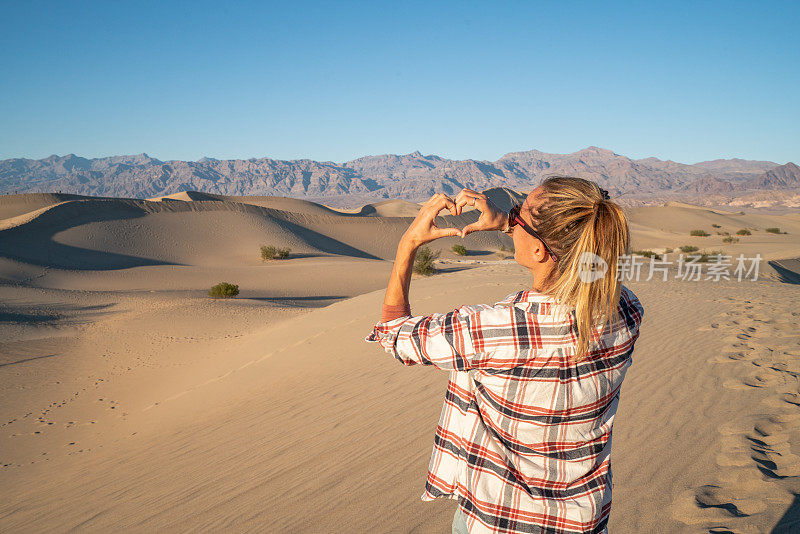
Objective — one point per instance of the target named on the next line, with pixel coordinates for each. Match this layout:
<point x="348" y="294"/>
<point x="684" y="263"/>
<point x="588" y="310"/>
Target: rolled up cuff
<point x="393" y="312"/>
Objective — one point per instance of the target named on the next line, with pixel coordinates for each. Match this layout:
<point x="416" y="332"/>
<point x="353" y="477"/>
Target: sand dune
<point x="15" y="205"/>
<point x="123" y="233"/>
<point x="184" y="196"/>
<point x="504" y="198"/>
<point x="388" y="208"/>
<point x="669" y="226"/>
<point x="130" y="401"/>
<point x="279" y="203"/>
<point x="685" y="205"/>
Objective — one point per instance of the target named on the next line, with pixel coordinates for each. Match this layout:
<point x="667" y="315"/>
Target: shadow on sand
<point x="28" y="360"/>
<point x="63" y="314"/>
<point x="788" y="270"/>
<point x="314" y="301"/>
<point x="34" y="242"/>
<point x="790" y="522"/>
<point x="444" y="270"/>
<point x="481" y="253"/>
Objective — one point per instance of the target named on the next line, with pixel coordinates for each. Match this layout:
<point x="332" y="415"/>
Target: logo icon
<point x="591" y="267"/>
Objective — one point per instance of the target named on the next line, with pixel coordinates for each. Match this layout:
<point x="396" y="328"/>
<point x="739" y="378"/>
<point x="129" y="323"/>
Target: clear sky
<point x="686" y="81"/>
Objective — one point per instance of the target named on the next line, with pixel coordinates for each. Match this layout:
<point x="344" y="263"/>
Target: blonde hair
<point x="575" y="218"/>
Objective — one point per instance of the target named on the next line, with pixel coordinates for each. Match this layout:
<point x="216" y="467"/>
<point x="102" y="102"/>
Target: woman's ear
<point x="539" y="253"/>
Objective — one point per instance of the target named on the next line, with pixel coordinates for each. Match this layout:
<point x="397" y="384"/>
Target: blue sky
<point x="338" y="80"/>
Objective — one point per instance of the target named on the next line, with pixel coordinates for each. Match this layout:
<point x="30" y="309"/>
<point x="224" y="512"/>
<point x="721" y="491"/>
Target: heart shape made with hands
<point x="424" y="228"/>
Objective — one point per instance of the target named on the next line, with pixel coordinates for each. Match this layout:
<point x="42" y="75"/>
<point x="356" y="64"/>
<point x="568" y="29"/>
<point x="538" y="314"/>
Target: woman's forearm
<point x="396" y="298"/>
<point x="422" y="230"/>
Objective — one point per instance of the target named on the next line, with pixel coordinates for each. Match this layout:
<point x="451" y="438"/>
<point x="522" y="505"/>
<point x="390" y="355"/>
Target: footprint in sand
<point x="735" y="355"/>
<point x="717" y="506"/>
<point x="770" y="442"/>
<point x="733" y="503"/>
<point x="791" y="398"/>
<point x="711" y="496"/>
<point x="758" y="456"/>
<point x="734" y="452"/>
<point x="758" y="380"/>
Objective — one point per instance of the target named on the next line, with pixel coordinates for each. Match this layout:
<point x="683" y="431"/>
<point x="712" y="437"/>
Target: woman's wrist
<point x="407" y="245"/>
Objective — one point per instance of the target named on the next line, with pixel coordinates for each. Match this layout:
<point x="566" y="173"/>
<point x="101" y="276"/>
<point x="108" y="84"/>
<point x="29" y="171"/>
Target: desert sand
<point x="130" y="401"/>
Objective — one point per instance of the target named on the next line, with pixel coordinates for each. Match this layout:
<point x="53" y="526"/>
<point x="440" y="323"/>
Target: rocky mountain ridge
<point x="413" y="177"/>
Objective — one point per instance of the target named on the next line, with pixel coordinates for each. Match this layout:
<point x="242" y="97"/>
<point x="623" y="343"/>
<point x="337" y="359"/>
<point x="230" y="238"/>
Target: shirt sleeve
<point x="470" y="337"/>
<point x="632" y="311"/>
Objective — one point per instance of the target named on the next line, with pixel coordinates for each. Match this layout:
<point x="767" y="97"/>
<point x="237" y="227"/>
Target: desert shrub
<point x="686" y="249"/>
<point x="461" y="250"/>
<point x="647" y="254"/>
<point x="716" y="226"/>
<point x="271" y="252"/>
<point x="699" y="233"/>
<point x="505" y="253"/>
<point x="710" y="255"/>
<point x="773" y="230"/>
<point x="423" y="263"/>
<point x="268" y="252"/>
<point x="223" y="290"/>
<point x="743" y="231"/>
<point x="667" y="251"/>
<point x="730" y="239"/>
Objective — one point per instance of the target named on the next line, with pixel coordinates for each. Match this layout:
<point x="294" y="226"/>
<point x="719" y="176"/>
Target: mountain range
<point x="412" y="177"/>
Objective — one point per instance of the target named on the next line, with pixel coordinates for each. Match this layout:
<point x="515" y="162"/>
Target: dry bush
<point x="271" y="252"/>
<point x="648" y="254"/>
<point x="423" y="263"/>
<point x="268" y="252"/>
<point x="223" y="290"/>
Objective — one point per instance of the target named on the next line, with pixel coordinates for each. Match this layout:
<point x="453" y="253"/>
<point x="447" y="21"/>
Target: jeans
<point x="460" y="522"/>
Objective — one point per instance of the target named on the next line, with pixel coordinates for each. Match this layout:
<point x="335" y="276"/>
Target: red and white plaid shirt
<point x="524" y="438"/>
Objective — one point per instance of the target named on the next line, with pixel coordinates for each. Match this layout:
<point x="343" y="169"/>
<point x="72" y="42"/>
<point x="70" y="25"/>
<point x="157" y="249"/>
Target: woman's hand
<point x="423" y="229"/>
<point x="492" y="217"/>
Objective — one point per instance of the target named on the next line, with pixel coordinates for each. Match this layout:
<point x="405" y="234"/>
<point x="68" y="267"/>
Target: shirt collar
<point x="544" y="303"/>
<point x="528" y="295"/>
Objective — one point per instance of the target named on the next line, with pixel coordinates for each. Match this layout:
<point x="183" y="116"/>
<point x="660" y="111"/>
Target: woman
<point x="524" y="438"/>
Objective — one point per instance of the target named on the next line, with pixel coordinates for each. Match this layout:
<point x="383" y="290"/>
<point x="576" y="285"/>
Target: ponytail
<point x="588" y="233"/>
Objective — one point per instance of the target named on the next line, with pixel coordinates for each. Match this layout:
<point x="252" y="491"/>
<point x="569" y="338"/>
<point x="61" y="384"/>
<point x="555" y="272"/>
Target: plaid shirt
<point x="524" y="437"/>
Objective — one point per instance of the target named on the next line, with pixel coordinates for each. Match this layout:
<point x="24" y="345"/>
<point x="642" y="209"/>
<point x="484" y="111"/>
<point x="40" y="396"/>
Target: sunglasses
<point x="514" y="219"/>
